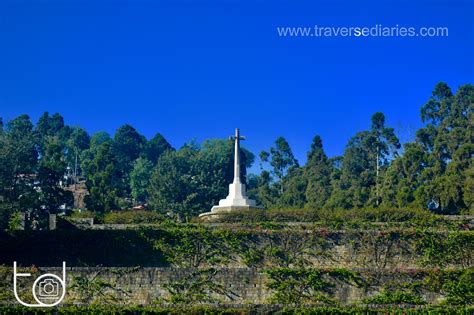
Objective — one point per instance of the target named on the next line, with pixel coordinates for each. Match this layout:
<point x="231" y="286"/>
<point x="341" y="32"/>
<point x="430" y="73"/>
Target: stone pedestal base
<point x="237" y="197"/>
<point x="217" y="211"/>
<point x="237" y="200"/>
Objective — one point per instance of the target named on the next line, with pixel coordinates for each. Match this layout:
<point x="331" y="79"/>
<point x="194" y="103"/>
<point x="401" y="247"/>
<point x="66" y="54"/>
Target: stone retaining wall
<point x="145" y="286"/>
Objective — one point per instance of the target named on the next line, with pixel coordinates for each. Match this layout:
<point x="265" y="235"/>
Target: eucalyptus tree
<point x="317" y="172"/>
<point x="366" y="157"/>
<point x="447" y="138"/>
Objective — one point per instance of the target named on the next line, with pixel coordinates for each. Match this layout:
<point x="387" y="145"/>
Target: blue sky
<point x="198" y="69"/>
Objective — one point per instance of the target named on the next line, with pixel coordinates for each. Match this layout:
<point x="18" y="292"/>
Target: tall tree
<point x="402" y="178"/>
<point x="127" y="146"/>
<point x="50" y="175"/>
<point x="87" y="155"/>
<point x="23" y="157"/>
<point x="366" y="157"/>
<point x="281" y="159"/>
<point x="357" y="173"/>
<point x="173" y="189"/>
<point x="78" y="142"/>
<point x="98" y="138"/>
<point x="18" y="164"/>
<point x="156" y="147"/>
<point x="294" y="194"/>
<point x="104" y="181"/>
<point x="386" y="144"/>
<point x="193" y="179"/>
<point x="318" y="174"/>
<point x="140" y="179"/>
<point x="447" y="140"/>
<point x="438" y="106"/>
<point x="48" y="126"/>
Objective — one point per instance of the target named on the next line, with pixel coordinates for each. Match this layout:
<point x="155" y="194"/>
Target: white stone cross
<point x="237" y="198"/>
<point x="237" y="139"/>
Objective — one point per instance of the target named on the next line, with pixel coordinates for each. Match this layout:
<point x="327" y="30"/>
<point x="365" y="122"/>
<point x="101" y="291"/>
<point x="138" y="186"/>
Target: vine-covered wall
<point x="196" y="246"/>
<point x="188" y="264"/>
<point x="333" y="286"/>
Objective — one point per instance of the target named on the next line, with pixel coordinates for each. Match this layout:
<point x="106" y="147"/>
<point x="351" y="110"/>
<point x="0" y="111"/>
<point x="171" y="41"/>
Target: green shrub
<point x="395" y="297"/>
<point x="462" y="290"/>
<point x="410" y="310"/>
<point x="15" y="221"/>
<point x="129" y="310"/>
<point x="242" y="310"/>
<point x="335" y="216"/>
<point x="98" y="218"/>
<point x="133" y="217"/>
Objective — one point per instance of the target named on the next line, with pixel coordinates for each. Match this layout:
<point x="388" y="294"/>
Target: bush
<point x="130" y="310"/>
<point x="395" y="297"/>
<point x="240" y="310"/>
<point x="86" y="214"/>
<point x="15" y="221"/>
<point x="331" y="216"/>
<point x="255" y="216"/>
<point x="133" y="217"/>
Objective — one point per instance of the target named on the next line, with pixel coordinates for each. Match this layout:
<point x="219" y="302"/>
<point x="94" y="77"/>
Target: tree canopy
<point x="39" y="162"/>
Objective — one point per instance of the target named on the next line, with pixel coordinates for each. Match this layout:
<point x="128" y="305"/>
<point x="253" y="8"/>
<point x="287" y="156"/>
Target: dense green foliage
<point x="32" y="164"/>
<point x="187" y="181"/>
<point x="433" y="172"/>
<point x="253" y="245"/>
<point x="237" y="310"/>
<point x="313" y="286"/>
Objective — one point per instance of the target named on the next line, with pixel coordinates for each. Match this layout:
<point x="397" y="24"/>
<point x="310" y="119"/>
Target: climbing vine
<point x="94" y="289"/>
<point x="199" y="286"/>
<point x="307" y="286"/>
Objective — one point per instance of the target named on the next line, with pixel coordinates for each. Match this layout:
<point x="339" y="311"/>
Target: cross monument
<point x="237" y="198"/>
